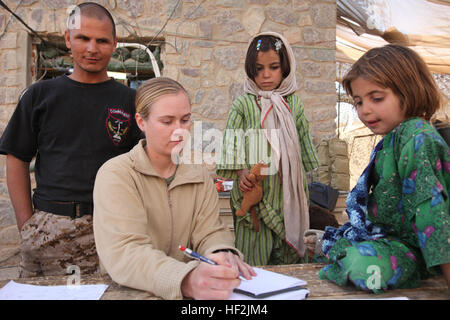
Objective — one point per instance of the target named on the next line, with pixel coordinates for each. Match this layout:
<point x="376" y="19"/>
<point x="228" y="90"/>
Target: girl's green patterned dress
<point x="267" y="246"/>
<point x="408" y="200"/>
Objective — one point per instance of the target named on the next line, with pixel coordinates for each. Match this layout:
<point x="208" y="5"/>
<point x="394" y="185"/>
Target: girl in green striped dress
<point x="267" y="123"/>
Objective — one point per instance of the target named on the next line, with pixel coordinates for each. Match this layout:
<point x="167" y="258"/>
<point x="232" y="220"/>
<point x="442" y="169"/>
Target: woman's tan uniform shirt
<point x="139" y="222"/>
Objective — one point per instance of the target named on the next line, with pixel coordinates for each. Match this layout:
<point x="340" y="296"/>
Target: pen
<point x="192" y="254"/>
<point x="196" y="255"/>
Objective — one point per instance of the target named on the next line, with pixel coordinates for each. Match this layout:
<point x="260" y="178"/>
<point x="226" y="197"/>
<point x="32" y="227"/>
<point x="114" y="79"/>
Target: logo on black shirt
<point x="117" y="124"/>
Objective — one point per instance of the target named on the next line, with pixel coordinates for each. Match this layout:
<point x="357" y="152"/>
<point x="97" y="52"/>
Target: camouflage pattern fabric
<point x="50" y="244"/>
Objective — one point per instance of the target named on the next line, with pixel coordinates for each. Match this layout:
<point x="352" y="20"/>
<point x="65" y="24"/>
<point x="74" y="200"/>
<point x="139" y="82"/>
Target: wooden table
<point x="432" y="288"/>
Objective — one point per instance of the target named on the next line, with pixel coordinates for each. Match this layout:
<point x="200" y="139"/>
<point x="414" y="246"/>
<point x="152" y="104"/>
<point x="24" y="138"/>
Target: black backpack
<point x="323" y="195"/>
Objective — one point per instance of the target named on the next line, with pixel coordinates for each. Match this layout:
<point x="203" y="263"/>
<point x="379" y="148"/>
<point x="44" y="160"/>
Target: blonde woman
<point x="146" y="206"/>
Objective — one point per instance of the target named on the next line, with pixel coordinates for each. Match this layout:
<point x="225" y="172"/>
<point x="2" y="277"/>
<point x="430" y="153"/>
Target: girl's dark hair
<point x="267" y="43"/>
<point x="403" y="71"/>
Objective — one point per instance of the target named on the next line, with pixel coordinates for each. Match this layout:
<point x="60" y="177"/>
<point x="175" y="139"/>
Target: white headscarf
<point x="275" y="114"/>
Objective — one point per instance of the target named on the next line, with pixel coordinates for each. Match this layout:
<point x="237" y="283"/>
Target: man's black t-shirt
<point x="72" y="128"/>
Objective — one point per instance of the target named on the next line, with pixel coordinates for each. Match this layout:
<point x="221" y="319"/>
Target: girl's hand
<point x="245" y="184"/>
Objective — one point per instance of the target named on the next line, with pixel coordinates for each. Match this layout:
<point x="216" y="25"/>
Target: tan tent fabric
<point x="423" y="25"/>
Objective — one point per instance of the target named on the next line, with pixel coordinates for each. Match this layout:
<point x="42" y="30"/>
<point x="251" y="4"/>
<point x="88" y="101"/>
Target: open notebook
<point x="270" y="285"/>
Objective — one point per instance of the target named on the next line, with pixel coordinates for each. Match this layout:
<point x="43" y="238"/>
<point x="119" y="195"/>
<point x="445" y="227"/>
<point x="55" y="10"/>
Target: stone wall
<point x="203" y="46"/>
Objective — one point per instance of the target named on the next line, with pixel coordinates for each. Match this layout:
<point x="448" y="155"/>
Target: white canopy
<point x="423" y="25"/>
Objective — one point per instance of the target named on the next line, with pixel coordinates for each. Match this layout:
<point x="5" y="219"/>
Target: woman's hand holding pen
<point x="216" y="281"/>
<point x="232" y="260"/>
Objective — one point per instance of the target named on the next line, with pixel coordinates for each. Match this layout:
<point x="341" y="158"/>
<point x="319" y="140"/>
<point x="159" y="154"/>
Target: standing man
<point x="72" y="125"/>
